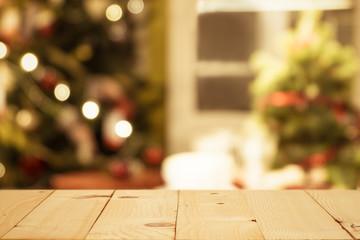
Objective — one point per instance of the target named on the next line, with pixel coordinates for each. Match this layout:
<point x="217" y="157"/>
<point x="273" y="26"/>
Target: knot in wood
<point x="128" y="197"/>
<point x="356" y="226"/>
<point x="160" y="224"/>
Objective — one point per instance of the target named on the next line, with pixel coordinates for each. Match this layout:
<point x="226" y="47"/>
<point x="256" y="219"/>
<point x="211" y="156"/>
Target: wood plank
<point x="136" y="214"/>
<point x="66" y="214"/>
<point x="215" y="215"/>
<point x="16" y="204"/>
<point x="293" y="214"/>
<point x="343" y="206"/>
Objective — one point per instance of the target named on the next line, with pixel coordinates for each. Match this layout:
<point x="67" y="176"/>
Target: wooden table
<point x="162" y="214"/>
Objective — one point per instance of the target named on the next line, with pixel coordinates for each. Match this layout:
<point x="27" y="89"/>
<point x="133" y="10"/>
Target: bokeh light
<point x="90" y="110"/>
<point x="3" y="50"/>
<point x="29" y="62"/>
<point x="24" y="118"/>
<point x="118" y="31"/>
<point x="113" y="12"/>
<point x="123" y="129"/>
<point x="135" y="6"/>
<point x="2" y="170"/>
<point x="27" y="119"/>
<point x="62" y="92"/>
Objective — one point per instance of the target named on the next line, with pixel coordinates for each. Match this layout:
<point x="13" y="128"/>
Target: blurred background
<point x="179" y="94"/>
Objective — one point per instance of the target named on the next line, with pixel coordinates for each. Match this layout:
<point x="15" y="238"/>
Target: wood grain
<point x="16" y="204"/>
<point x="66" y="214"/>
<point x="343" y="205"/>
<point x="293" y="214"/>
<point x="215" y="215"/>
<point x="137" y="214"/>
<point x="182" y="215"/>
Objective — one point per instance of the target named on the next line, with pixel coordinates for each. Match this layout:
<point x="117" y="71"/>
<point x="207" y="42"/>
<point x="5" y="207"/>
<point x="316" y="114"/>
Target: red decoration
<point x="119" y="169"/>
<point x="46" y="31"/>
<point x="32" y="166"/>
<point x="113" y="144"/>
<point x="153" y="155"/>
<point x="297" y="99"/>
<point x="48" y="80"/>
<point x="320" y="159"/>
<point x="127" y="107"/>
<point x="282" y="99"/>
<point x="339" y="112"/>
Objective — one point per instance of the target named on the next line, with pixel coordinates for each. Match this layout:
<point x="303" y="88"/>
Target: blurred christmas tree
<point x="305" y="100"/>
<point x="70" y="95"/>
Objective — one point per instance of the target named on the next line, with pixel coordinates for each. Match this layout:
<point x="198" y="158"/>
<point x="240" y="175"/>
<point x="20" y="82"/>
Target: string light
<point x="3" y="50"/>
<point x="123" y="129"/>
<point x="113" y="12"/>
<point x="135" y="6"/>
<point x="24" y="118"/>
<point x="29" y="62"/>
<point x="90" y="110"/>
<point x="2" y="170"/>
<point x="62" y="92"/>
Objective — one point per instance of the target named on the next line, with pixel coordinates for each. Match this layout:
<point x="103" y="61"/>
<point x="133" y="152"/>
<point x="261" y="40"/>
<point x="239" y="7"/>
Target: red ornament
<point x="32" y="166"/>
<point x="153" y="155"/>
<point x="119" y="169"/>
<point x="126" y="106"/>
<point x="46" y="31"/>
<point x="113" y="144"/>
<point x="284" y="99"/>
<point x="320" y="159"/>
<point x="339" y="112"/>
<point x="48" y="80"/>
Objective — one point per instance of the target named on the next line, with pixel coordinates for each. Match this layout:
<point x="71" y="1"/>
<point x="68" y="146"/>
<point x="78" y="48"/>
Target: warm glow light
<point x="24" y="118"/>
<point x="123" y="129"/>
<point x="62" y="92"/>
<point x="29" y="62"/>
<point x="113" y="12"/>
<point x="90" y="110"/>
<point x="135" y="6"/>
<point x="3" y="50"/>
<point x="2" y="170"/>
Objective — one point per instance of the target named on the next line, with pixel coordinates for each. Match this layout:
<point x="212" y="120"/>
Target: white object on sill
<point x="208" y="6"/>
<point x="198" y="170"/>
